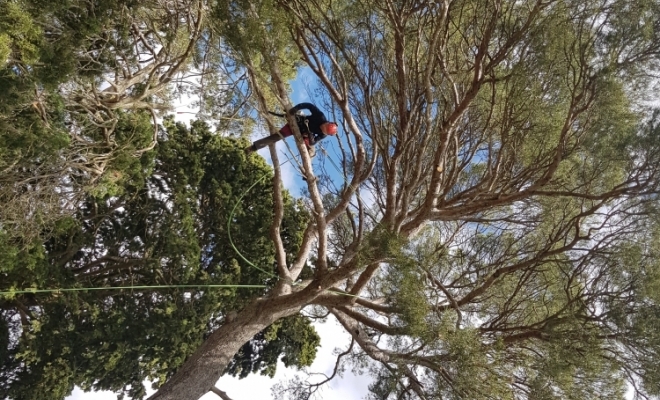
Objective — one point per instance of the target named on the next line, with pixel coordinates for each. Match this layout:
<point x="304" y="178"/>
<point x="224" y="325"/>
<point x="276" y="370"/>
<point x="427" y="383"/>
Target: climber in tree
<point x="313" y="127"/>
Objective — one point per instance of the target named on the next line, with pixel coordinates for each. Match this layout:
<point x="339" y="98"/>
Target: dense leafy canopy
<point x="494" y="233"/>
<point x="166" y="226"/>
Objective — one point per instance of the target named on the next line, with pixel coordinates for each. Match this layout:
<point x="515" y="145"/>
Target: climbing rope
<point x="12" y="292"/>
<point x="231" y="217"/>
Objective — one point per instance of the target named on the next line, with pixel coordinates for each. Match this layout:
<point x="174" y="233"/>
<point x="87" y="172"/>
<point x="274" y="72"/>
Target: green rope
<point x="13" y="292"/>
<point x="209" y="286"/>
<point x="231" y="216"/>
<point x="85" y="289"/>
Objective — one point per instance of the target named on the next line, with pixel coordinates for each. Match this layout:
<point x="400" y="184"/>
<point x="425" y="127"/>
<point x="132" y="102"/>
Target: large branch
<point x="283" y="96"/>
<point x="373" y="351"/>
<point x="200" y="372"/>
<point x="223" y="395"/>
<point x="278" y="201"/>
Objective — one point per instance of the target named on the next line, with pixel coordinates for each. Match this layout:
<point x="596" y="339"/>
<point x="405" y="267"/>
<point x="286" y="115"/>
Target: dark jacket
<point x="314" y="121"/>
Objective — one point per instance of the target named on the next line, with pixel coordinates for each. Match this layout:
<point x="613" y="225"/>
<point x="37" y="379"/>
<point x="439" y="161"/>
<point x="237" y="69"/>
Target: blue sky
<point x="303" y="88"/>
<point x="351" y="386"/>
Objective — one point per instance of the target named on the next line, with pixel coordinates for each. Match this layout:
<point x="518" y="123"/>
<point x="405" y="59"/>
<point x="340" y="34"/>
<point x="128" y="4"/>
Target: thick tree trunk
<point x="203" y="369"/>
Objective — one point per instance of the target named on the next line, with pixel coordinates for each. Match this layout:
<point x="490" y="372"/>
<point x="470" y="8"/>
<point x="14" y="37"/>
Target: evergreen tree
<point x="509" y="251"/>
<point x="168" y="226"/>
<point x="513" y="167"/>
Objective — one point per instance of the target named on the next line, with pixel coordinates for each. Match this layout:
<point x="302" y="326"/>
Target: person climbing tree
<point x="313" y="127"/>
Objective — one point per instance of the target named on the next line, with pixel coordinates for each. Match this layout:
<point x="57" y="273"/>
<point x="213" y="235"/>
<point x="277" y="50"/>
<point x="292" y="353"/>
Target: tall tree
<point x="169" y="227"/>
<point x="511" y="160"/>
<point x="72" y="71"/>
<point x="513" y="169"/>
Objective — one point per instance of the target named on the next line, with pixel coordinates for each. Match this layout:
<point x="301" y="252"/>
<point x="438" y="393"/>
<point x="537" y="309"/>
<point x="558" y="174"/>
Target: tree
<point x="78" y="79"/>
<point x="167" y="227"/>
<point x="511" y="160"/>
<point x="514" y="174"/>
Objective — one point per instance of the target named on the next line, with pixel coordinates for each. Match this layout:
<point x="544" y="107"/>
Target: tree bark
<point x="202" y="370"/>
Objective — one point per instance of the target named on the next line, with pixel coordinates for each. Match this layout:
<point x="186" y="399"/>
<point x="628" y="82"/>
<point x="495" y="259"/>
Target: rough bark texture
<point x="200" y="373"/>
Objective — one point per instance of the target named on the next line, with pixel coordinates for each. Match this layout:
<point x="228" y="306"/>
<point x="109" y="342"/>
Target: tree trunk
<point x="202" y="370"/>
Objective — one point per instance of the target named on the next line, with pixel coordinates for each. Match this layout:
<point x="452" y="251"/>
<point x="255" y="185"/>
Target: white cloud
<point x="348" y="387"/>
<point x="78" y="394"/>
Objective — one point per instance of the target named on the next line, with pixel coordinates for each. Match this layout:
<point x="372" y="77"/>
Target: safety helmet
<point x="329" y="128"/>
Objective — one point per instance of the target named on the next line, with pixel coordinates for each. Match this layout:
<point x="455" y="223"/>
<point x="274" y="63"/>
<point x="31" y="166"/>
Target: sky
<point x="302" y="89"/>
<point x="333" y="336"/>
<point x="348" y="387"/>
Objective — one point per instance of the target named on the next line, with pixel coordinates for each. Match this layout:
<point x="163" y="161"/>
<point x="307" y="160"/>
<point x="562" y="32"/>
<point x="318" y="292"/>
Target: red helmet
<point x="329" y="128"/>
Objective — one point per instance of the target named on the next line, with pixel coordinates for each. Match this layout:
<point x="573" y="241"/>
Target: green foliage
<point x="162" y="221"/>
<point x="258" y="34"/>
<point x="382" y="243"/>
<point x="474" y="371"/>
<point x="293" y="337"/>
<point x="16" y="257"/>
<point x="20" y="36"/>
<point x="46" y="49"/>
<point x="404" y="282"/>
<point x="127" y="171"/>
<point x="576" y="369"/>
